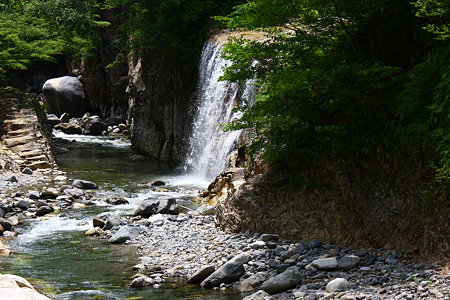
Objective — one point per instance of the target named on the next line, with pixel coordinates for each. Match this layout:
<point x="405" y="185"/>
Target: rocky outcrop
<point x="25" y="141"/>
<point x="160" y="97"/>
<point x="13" y="287"/>
<point x="65" y="95"/>
<point x="377" y="207"/>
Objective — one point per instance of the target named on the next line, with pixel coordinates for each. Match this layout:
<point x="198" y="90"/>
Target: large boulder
<point x="124" y="234"/>
<point x="17" y="288"/>
<point x="65" y="94"/>
<point x="150" y="207"/>
<point x="95" y="127"/>
<point x="289" y="279"/>
<point x="227" y="273"/>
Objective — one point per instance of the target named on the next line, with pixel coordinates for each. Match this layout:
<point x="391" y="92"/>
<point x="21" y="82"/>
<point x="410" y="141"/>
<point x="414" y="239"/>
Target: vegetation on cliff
<point x="347" y="80"/>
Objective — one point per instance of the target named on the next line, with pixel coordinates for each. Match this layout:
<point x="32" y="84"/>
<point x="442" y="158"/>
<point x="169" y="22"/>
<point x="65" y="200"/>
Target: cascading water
<point x="209" y="145"/>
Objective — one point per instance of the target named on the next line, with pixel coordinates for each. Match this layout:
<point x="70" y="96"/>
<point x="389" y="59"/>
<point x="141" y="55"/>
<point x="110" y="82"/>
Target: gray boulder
<point x="75" y="192"/>
<point x="201" y="274"/>
<point x="325" y="263"/>
<point x="207" y="210"/>
<point x="227" y="273"/>
<point x="337" y="285"/>
<point x="95" y="127"/>
<point x="43" y="210"/>
<point x="348" y="262"/>
<point x="289" y="279"/>
<point x="269" y="237"/>
<point x="151" y="207"/>
<point x="12" y="179"/>
<point x="5" y="224"/>
<point x="23" y="204"/>
<point x="124" y="234"/>
<point x="65" y="94"/>
<point x="252" y="282"/>
<point x="259" y="295"/>
<point x="84" y="184"/>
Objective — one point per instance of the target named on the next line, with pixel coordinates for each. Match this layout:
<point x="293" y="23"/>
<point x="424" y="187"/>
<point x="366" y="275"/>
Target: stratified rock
<point x="124" y="234"/>
<point x="95" y="127"/>
<point x="43" y="210"/>
<point x="151" y="207"/>
<point x="289" y="279"/>
<point x="65" y="94"/>
<point x="84" y="184"/>
<point x="201" y="274"/>
<point x="227" y="273"/>
<point x="337" y="285"/>
<point x="348" y="262"/>
<point x="269" y="237"/>
<point x="259" y="295"/>
<point x="325" y="263"/>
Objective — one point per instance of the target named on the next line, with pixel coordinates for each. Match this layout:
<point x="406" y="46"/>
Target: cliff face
<point x="379" y="205"/>
<point x="161" y="94"/>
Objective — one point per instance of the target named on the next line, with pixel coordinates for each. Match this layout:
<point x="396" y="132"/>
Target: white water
<point x="209" y="145"/>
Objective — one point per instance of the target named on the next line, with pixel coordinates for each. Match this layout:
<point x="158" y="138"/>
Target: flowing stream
<point x="56" y="256"/>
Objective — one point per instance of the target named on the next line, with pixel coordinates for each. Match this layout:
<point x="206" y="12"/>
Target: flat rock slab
<point x="325" y="263"/>
<point x="227" y="273"/>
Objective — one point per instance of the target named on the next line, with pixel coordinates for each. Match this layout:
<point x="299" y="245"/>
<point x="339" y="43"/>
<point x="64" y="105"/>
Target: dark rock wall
<point x="161" y="93"/>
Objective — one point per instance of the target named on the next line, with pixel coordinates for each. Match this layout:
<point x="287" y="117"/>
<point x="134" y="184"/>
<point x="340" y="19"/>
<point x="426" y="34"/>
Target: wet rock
<point x="50" y="193"/>
<point x="337" y="285"/>
<point x="142" y="281"/>
<point x="158" y="183"/>
<point x="12" y="179"/>
<point x="27" y="171"/>
<point x="5" y="224"/>
<point x="94" y="231"/>
<point x="75" y="192"/>
<point x="84" y="184"/>
<point x="201" y="274"/>
<point x="34" y="195"/>
<point x="207" y="210"/>
<point x="124" y="234"/>
<point x="117" y="201"/>
<point x="95" y="127"/>
<point x="43" y="210"/>
<point x="289" y="279"/>
<point x="150" y="207"/>
<point x="98" y="222"/>
<point x="269" y="237"/>
<point x="112" y="221"/>
<point x="69" y="128"/>
<point x="64" y="118"/>
<point x="227" y="273"/>
<point x="60" y="178"/>
<point x="325" y="263"/>
<point x="348" y="262"/>
<point x="259" y="295"/>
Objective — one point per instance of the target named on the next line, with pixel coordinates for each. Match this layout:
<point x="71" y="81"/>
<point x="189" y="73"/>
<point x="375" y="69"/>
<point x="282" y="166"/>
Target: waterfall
<point x="209" y="145"/>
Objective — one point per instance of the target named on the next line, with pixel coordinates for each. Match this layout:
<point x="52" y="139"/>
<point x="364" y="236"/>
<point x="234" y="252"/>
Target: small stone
<point x="27" y="171"/>
<point x="97" y="222"/>
<point x="348" y="262"/>
<point x="282" y="282"/>
<point x="259" y="295"/>
<point x="94" y="231"/>
<point x="257" y="245"/>
<point x="12" y="179"/>
<point x="23" y="204"/>
<point x="43" y="210"/>
<point x="84" y="184"/>
<point x="34" y="195"/>
<point x="337" y="285"/>
<point x="227" y="273"/>
<point x="60" y="178"/>
<point x="207" y="210"/>
<point x="158" y="183"/>
<point x="269" y="237"/>
<point x="64" y="118"/>
<point x="141" y="281"/>
<point x="124" y="234"/>
<point x="325" y="263"/>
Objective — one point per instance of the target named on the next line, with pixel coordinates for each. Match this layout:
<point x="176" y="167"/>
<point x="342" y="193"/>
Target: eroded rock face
<point x="65" y="95"/>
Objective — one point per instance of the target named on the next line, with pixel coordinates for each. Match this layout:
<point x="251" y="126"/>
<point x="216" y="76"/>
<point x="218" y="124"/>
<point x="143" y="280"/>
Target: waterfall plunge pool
<point x="56" y="256"/>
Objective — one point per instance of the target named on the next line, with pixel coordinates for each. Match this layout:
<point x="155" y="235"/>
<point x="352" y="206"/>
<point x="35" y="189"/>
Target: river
<point x="56" y="256"/>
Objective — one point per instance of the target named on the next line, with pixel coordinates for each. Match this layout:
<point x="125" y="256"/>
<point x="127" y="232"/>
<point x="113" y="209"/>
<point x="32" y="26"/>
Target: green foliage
<point x="174" y="27"/>
<point x="39" y="29"/>
<point x="341" y="80"/>
<point x="438" y="12"/>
